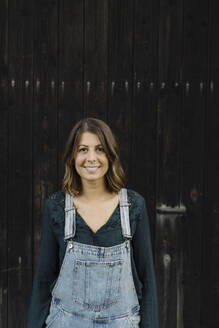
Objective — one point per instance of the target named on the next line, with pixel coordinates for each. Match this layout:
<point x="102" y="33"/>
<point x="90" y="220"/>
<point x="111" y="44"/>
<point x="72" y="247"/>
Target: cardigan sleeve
<point x="45" y="274"/>
<point x="142" y="251"/>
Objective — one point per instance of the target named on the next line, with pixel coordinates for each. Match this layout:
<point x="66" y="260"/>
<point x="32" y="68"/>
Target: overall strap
<point x="124" y="213"/>
<point x="70" y="217"/>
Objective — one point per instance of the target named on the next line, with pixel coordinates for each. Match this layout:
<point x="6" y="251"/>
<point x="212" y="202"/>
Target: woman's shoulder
<point x="55" y="203"/>
<point x="135" y="198"/>
<point x="134" y="195"/>
<point x="57" y="197"/>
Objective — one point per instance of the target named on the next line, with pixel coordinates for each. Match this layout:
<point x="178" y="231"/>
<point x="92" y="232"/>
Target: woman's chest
<point x="96" y="217"/>
<point x="107" y="226"/>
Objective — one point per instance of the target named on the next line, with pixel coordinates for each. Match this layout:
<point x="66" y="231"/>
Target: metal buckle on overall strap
<point x="125" y="203"/>
<point x="69" y="209"/>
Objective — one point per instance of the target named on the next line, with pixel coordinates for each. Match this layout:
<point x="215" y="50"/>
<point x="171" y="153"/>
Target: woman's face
<point x="91" y="161"/>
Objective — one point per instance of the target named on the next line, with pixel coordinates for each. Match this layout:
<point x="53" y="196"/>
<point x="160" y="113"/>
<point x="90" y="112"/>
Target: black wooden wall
<point x="150" y="69"/>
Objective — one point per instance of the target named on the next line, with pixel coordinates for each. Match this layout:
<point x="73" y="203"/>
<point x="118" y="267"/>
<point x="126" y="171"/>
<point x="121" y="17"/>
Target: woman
<point x="95" y="266"/>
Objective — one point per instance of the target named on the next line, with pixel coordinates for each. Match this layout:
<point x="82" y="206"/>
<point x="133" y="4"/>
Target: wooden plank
<point x="3" y="210"/>
<point x="96" y="58"/>
<point x="120" y="76"/>
<point x="143" y="127"/>
<point x="192" y="155"/>
<point x="210" y="268"/>
<point x="169" y="267"/>
<point x="4" y="162"/>
<point x="168" y="225"/>
<point x="70" y="110"/>
<point x="168" y="110"/>
<point x="20" y="162"/>
<point x="45" y="163"/>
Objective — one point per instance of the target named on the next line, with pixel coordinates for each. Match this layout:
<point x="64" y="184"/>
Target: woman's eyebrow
<point x="87" y="146"/>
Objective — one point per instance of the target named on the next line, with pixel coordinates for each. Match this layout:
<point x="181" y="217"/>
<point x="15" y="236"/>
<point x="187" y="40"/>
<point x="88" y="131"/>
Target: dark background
<point x="149" y="68"/>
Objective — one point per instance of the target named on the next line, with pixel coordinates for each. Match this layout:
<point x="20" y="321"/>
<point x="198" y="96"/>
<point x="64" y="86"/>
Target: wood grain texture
<point x="45" y="141"/>
<point x="143" y="154"/>
<point x="195" y="50"/>
<point x="95" y="58"/>
<point x="169" y="101"/>
<point x="120" y="68"/>
<point x="190" y="167"/>
<point x="71" y="72"/>
<point x="210" y="231"/>
<point x="20" y="161"/>
<point x="169" y="228"/>
<point x="4" y="132"/>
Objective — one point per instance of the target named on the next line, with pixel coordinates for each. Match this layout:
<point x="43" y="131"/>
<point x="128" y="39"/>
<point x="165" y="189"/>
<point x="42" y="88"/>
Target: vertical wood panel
<point x="168" y="248"/>
<point x="4" y="161"/>
<point x="71" y="16"/>
<point x="193" y="123"/>
<point x="210" y="271"/>
<point x="144" y="104"/>
<point x="45" y="109"/>
<point x="20" y="161"/>
<point x="169" y="258"/>
<point x="95" y="65"/>
<point x="120" y="69"/>
<point x="169" y="103"/>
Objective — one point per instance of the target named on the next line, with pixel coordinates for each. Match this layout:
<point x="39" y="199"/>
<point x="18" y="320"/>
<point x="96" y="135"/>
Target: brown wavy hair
<point x="115" y="176"/>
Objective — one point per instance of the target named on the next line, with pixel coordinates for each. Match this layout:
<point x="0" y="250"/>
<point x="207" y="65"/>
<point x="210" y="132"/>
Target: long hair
<point x="115" y="176"/>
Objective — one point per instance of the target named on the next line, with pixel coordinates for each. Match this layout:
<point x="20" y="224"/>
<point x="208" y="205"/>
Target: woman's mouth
<point x="91" y="169"/>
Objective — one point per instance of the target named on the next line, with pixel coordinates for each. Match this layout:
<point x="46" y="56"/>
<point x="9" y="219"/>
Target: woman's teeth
<point x="91" y="169"/>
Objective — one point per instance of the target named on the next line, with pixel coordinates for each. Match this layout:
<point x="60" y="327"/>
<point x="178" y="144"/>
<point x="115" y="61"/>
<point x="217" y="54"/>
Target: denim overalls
<point x="95" y="287"/>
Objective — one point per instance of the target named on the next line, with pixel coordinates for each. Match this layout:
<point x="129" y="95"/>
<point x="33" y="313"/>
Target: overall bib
<point x="95" y="287"/>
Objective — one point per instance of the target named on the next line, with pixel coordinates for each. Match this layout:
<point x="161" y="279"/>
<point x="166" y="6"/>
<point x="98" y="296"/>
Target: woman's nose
<point x="91" y="156"/>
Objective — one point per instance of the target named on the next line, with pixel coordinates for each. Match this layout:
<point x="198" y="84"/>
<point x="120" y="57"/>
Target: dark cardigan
<point x="52" y="251"/>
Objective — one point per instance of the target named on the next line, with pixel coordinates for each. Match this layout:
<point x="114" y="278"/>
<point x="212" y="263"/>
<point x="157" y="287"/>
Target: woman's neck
<point x="94" y="190"/>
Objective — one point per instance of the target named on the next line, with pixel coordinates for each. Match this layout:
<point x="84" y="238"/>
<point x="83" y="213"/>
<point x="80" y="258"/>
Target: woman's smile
<point x="92" y="169"/>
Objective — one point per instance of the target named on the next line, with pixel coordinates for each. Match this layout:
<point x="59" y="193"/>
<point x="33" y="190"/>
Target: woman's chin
<point x="92" y="178"/>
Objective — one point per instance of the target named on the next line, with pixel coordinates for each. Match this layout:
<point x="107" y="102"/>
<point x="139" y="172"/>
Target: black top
<point x="53" y="246"/>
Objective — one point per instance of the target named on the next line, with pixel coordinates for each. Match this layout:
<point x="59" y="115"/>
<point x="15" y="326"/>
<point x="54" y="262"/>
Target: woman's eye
<point x="100" y="149"/>
<point x="82" y="150"/>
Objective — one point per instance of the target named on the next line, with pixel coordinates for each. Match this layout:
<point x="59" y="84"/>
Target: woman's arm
<point x="143" y="258"/>
<point x="46" y="273"/>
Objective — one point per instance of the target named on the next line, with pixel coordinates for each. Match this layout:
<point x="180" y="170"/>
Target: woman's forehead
<point x="88" y="138"/>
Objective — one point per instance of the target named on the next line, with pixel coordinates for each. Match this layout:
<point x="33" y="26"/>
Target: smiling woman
<point x="95" y="266"/>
